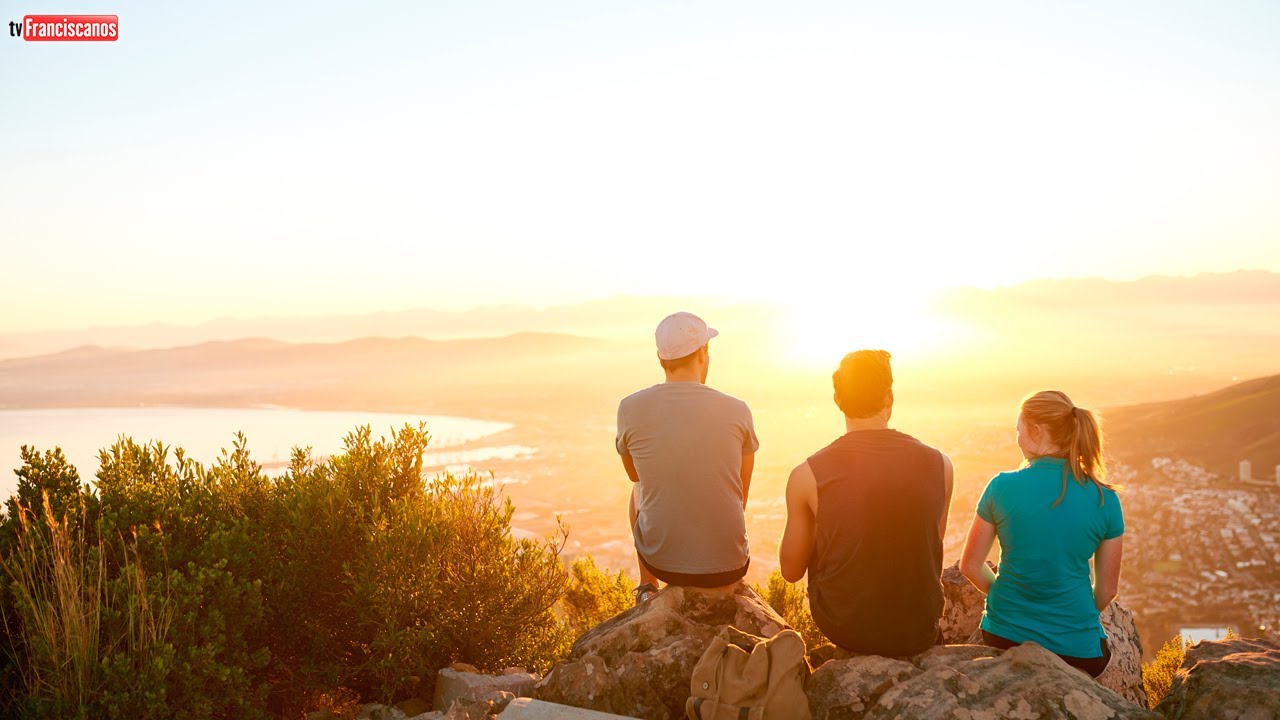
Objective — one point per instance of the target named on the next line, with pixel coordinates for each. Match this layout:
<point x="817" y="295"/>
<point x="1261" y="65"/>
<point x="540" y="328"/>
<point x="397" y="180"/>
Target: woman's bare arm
<point x="973" y="562"/>
<point x="1106" y="571"/>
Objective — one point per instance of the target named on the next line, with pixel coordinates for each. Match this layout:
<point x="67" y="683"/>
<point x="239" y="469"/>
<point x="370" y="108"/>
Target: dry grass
<point x="60" y="589"/>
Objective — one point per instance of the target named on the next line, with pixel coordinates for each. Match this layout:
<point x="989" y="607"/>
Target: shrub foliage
<point x="168" y="588"/>
<point x="594" y="595"/>
<point x="1157" y="675"/>
<point x="791" y="601"/>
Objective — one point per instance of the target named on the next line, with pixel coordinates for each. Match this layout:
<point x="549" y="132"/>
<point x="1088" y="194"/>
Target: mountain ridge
<point x="1215" y="429"/>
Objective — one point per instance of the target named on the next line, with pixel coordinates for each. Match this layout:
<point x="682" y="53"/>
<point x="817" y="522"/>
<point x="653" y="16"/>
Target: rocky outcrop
<point x="1124" y="672"/>
<point x="962" y="608"/>
<point x="964" y="681"/>
<point x="465" y="681"/>
<point x="848" y="688"/>
<point x="639" y="662"/>
<point x="1237" y="679"/>
<point x="373" y="711"/>
<point x="962" y="612"/>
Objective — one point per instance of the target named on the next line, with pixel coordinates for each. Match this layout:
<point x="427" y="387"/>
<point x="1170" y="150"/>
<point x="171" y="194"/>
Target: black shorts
<point x="698" y="581"/>
<point x="1094" y="666"/>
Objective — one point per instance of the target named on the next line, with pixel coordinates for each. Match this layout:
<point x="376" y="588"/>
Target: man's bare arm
<point x="630" y="466"/>
<point x="949" y="480"/>
<point x="748" y="466"/>
<point x="798" y="537"/>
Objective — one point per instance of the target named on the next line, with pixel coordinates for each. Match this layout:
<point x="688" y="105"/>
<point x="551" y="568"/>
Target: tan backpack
<point x="743" y="677"/>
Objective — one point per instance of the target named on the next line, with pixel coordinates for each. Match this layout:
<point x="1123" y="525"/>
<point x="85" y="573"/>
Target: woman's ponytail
<point x="1076" y="430"/>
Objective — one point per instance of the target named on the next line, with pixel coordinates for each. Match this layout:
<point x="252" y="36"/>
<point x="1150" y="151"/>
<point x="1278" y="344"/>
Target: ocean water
<point x="204" y="432"/>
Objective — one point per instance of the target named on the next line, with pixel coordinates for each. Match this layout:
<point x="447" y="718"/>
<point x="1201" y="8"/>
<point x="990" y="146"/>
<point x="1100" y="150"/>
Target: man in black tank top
<point x="865" y="518"/>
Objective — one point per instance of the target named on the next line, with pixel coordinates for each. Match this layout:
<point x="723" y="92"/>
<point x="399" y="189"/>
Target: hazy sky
<point x="243" y="158"/>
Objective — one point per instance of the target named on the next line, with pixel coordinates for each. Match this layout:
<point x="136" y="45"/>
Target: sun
<point x="821" y="329"/>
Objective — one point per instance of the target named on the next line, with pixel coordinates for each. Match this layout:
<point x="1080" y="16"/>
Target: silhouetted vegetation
<point x="791" y="601"/>
<point x="594" y="595"/>
<point x="173" y="589"/>
<point x="1157" y="675"/>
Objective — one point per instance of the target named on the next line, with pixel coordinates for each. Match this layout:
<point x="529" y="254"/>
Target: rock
<point x="499" y="699"/>
<point x="1124" y="672"/>
<point x="962" y="607"/>
<point x="639" y="662"/>
<point x="468" y="709"/>
<point x="373" y="711"/>
<point x="972" y="682"/>
<point x="848" y="688"/>
<point x="1237" y="678"/>
<point x="530" y="709"/>
<point x="1023" y="682"/>
<point x="826" y="653"/>
<point x="951" y="654"/>
<point x="962" y="612"/>
<point x="452" y="684"/>
<point x="323" y="715"/>
<point x="433" y="715"/>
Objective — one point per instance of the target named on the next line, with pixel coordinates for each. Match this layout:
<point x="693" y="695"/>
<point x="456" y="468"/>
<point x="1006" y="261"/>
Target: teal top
<point x="1043" y="591"/>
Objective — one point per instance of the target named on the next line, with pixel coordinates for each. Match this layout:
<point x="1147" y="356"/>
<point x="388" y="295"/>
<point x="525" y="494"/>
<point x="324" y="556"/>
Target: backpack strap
<point x="693" y="708"/>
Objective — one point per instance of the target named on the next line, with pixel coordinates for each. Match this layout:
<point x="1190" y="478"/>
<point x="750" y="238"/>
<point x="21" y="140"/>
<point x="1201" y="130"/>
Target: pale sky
<point x="247" y="159"/>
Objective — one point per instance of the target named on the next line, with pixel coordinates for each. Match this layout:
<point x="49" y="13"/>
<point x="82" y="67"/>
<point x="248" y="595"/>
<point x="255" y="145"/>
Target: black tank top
<point x="874" y="575"/>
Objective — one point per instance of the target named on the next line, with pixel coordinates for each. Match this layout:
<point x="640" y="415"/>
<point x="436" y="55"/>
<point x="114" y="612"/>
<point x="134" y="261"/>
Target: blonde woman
<point x="1051" y="516"/>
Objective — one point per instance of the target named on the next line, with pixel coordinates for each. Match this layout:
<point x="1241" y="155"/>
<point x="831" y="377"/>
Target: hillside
<point x="385" y="373"/>
<point x="1217" y="430"/>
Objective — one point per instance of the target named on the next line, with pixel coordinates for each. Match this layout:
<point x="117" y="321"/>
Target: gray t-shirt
<point x="687" y="442"/>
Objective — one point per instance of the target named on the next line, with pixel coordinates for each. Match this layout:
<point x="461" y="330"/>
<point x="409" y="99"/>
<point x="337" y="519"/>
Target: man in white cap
<point x="690" y="451"/>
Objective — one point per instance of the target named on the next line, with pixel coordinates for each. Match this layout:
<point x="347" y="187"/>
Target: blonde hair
<point x="1077" y="430"/>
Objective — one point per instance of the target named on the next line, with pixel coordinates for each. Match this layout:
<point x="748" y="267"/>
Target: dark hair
<point x="863" y="383"/>
<point x="680" y="362"/>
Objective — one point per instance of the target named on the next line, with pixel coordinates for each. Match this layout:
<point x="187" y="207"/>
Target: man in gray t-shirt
<point x="690" y="451"/>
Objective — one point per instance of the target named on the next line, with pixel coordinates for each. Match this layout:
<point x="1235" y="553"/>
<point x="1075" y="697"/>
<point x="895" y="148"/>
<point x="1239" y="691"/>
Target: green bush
<point x="172" y="589"/>
<point x="791" y="601"/>
<point x="594" y="595"/>
<point x="1157" y="675"/>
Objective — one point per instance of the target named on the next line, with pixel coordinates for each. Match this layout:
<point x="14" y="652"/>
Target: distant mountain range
<point x="1109" y="344"/>
<point x="611" y="318"/>
<point x="1216" y="430"/>
<point x="464" y="376"/>
<point x="1229" y="308"/>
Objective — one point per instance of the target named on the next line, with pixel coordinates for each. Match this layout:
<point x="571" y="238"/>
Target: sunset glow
<point x="822" y="328"/>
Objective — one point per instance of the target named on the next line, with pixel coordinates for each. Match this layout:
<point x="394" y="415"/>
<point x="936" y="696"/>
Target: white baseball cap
<point x="680" y="334"/>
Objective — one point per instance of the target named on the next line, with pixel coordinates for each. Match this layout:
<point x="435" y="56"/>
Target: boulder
<point x="499" y="699"/>
<point x="962" y="612"/>
<point x="639" y="662"/>
<point x="962" y="607"/>
<point x="1237" y="679"/>
<point x="1124" y="672"/>
<point x="464" y="681"/>
<point x="965" y="681"/>
<point x="848" y="688"/>
<point x="530" y="709"/>
<point x="469" y="709"/>
<point x="952" y="654"/>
